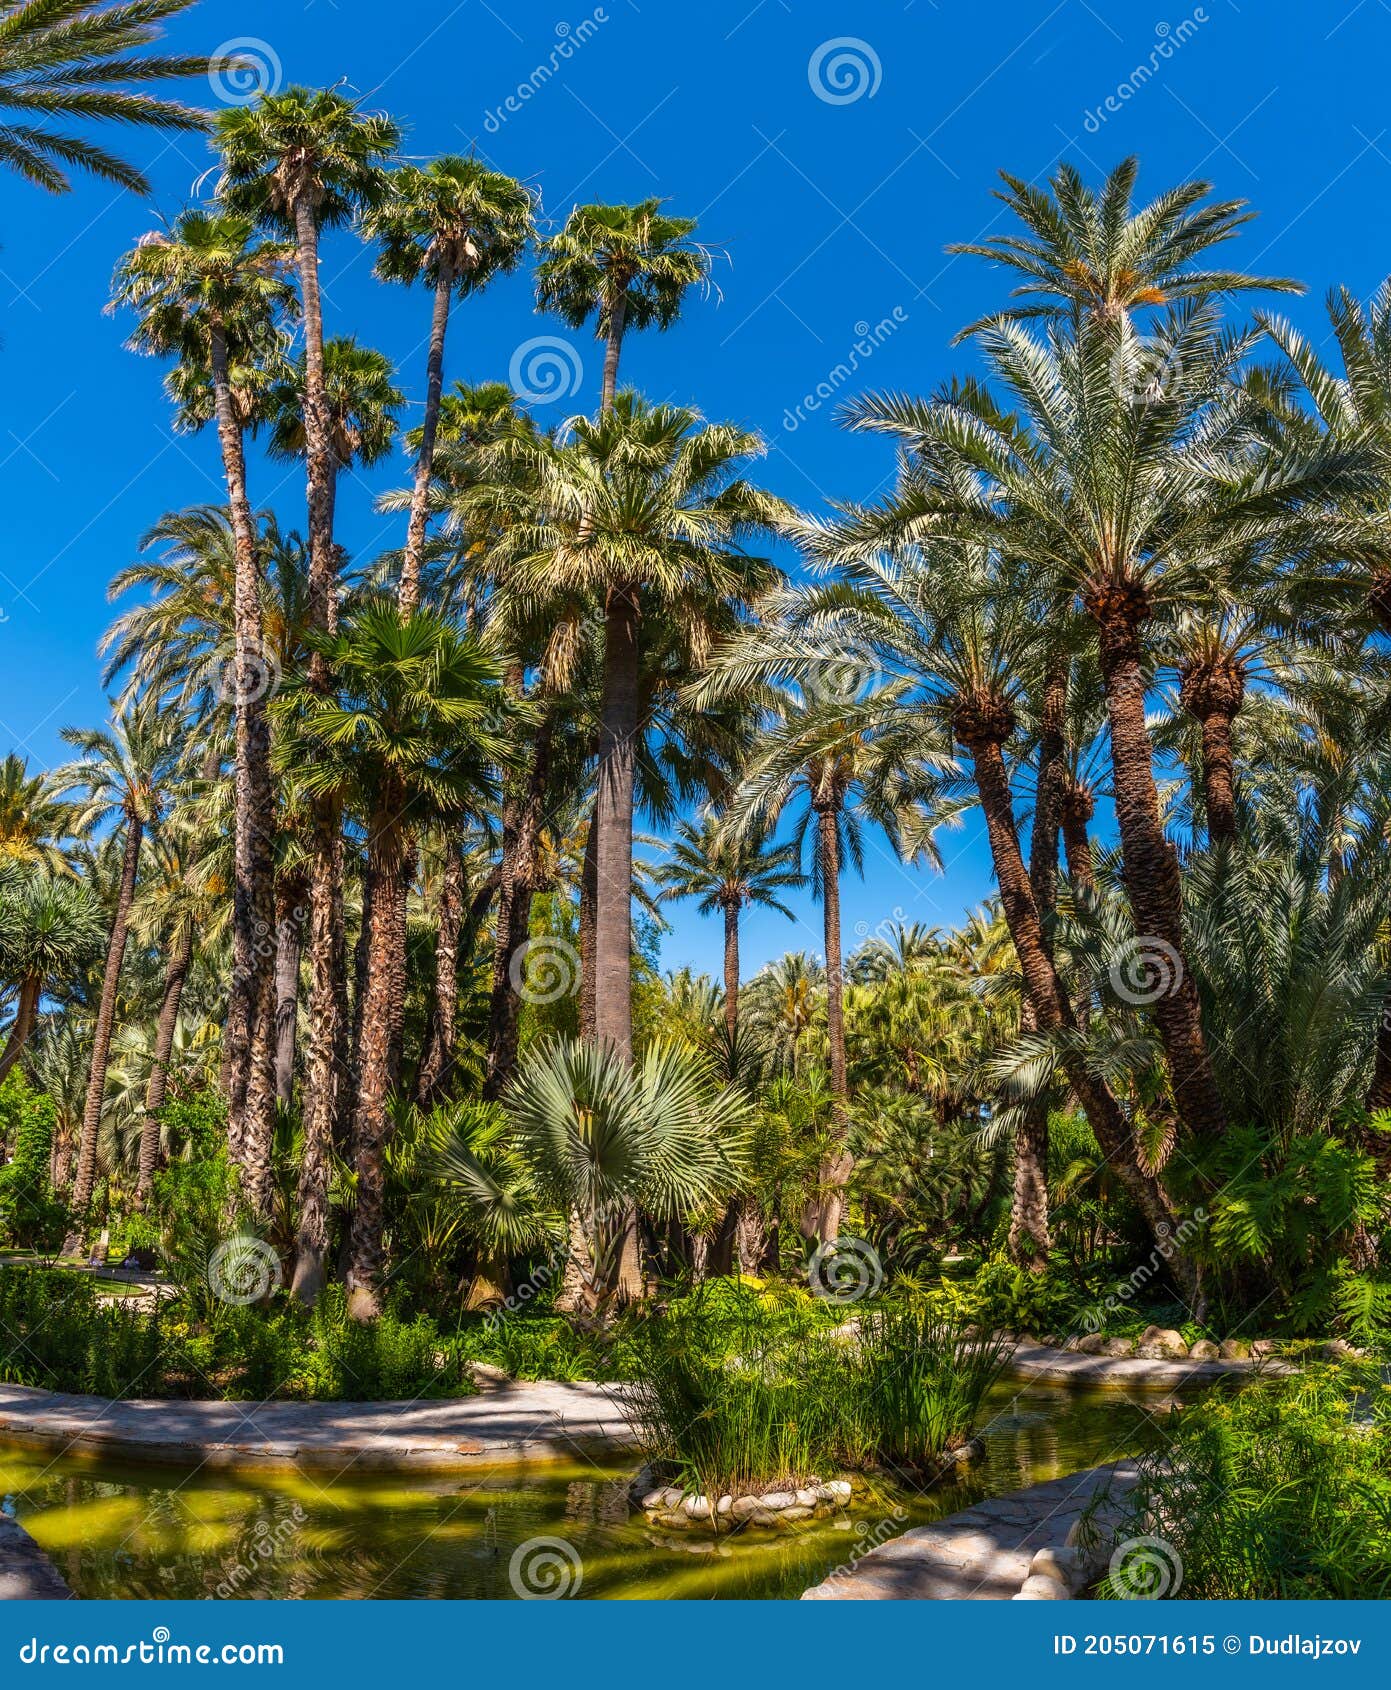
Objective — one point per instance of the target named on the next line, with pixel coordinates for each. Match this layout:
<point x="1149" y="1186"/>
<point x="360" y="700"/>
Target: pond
<point x="115" y="1530"/>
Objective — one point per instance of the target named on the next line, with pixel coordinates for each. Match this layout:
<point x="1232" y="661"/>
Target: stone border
<point x="1046" y="1365"/>
<point x="26" y="1573"/>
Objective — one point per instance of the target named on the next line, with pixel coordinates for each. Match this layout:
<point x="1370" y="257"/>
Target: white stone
<point x="724" y="1505"/>
<point x="744" y="1507"/>
<point x="697" y="1508"/>
<point x="777" y="1500"/>
<point x="1039" y="1588"/>
<point x="839" y="1489"/>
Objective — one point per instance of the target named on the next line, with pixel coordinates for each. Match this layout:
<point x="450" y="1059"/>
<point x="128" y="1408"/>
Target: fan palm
<point x="76" y="59"/>
<point x="627" y="266"/>
<point x="456" y="225"/>
<point x="50" y="926"/>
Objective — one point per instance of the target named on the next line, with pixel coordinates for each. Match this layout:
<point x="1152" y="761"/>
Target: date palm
<point x="729" y="871"/>
<point x="83" y="60"/>
<point x="202" y="291"/>
<point x="122" y="776"/>
<point x="1093" y="250"/>
<point x="33" y="820"/>
<point x="454" y="224"/>
<point x="627" y="266"/>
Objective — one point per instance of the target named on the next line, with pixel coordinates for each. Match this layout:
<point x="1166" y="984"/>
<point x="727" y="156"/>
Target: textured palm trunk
<point x="106" y="1021"/>
<point x="400" y="960"/>
<point x="318" y="438"/>
<point x="589" y="904"/>
<point x="174" y="980"/>
<point x="1029" y="1236"/>
<point x="1379" y="1096"/>
<point x="290" y="917"/>
<point x="1212" y="693"/>
<point x="437" y="1064"/>
<point x="320" y="1083"/>
<point x="613" y="821"/>
<point x="982" y="732"/>
<point x="1048" y="804"/>
<point x="1152" y="876"/>
<point x="408" y="596"/>
<point x="731" y="966"/>
<point x="613" y="348"/>
<point x="1078" y="808"/>
<point x="385" y="871"/>
<point x="822" y="1221"/>
<point x="26" y="1014"/>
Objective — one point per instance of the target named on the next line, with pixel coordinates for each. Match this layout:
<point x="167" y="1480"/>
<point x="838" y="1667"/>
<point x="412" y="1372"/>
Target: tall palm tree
<point x="1092" y="250"/>
<point x="50" y="926"/>
<point x="203" y="290"/>
<point x="408" y="737"/>
<point x="648" y="507"/>
<point x="33" y="820"/>
<point x="729" y="870"/>
<point x="122" y="774"/>
<point x="78" y="59"/>
<point x="627" y="266"/>
<point x="454" y="224"/>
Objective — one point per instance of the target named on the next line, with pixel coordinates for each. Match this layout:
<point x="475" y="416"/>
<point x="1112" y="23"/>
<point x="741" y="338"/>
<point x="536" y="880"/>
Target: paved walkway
<point x="1051" y="1366"/>
<point x="984" y="1553"/>
<point x="26" y="1573"/>
<point x="516" y="1422"/>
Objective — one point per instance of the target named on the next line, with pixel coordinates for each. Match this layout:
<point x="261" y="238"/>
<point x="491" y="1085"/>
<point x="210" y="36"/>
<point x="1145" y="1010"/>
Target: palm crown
<point x="454" y="221"/>
<point x="609" y="258"/>
<point x="303" y="145"/>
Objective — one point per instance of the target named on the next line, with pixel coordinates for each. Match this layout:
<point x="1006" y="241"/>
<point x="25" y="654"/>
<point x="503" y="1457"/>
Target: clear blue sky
<point x="834" y="213"/>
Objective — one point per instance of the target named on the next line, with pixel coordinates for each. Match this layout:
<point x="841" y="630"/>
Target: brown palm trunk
<point x="318" y="438"/>
<point x="290" y="917"/>
<point x="385" y="871"/>
<point x="400" y="960"/>
<point x="983" y="731"/>
<point x="823" y="1222"/>
<point x="320" y="1082"/>
<point x="26" y="1014"/>
<point x="437" y="1064"/>
<point x="613" y="820"/>
<point x="731" y="965"/>
<point x="106" y="1021"/>
<point x="408" y="596"/>
<point x="1029" y="1237"/>
<point x="1152" y="876"/>
<point x="251" y="1101"/>
<point x="589" y="905"/>
<point x="1212" y="693"/>
<point x="1078" y="807"/>
<point x="175" y="976"/>
<point x="1048" y="802"/>
<point x="613" y="348"/>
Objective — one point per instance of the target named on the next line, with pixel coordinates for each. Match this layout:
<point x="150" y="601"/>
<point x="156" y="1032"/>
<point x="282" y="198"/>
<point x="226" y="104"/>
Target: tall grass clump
<point x="1280" y="1491"/>
<point x="922" y="1375"/>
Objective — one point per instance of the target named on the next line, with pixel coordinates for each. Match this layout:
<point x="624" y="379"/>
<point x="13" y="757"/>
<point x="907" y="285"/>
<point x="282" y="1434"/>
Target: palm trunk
<point x="1048" y="802"/>
<point x="385" y="870"/>
<point x="589" y="905"/>
<point x="400" y="960"/>
<point x="731" y="966"/>
<point x="613" y="820"/>
<point x="834" y="1175"/>
<point x="311" y="1238"/>
<point x="1046" y="997"/>
<point x="106" y="1021"/>
<point x="26" y="1014"/>
<point x="1152" y="878"/>
<point x="251" y="1113"/>
<point x="1078" y="806"/>
<point x="613" y="347"/>
<point x="290" y="916"/>
<point x="323" y="560"/>
<point x="1211" y="691"/>
<point x="174" y="979"/>
<point x="1029" y="1237"/>
<point x="408" y="596"/>
<point x="437" y="1063"/>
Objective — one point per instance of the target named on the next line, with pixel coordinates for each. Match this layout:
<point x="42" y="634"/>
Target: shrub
<point x="31" y="1215"/>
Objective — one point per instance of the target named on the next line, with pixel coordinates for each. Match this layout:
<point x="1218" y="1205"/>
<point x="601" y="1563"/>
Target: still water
<point x="115" y="1530"/>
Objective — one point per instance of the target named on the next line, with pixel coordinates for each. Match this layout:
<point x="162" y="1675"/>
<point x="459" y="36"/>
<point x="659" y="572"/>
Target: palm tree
<point x="1089" y="250"/>
<point x="408" y="737"/>
<point x="50" y="926"/>
<point x="123" y="774"/>
<point x="33" y="822"/>
<point x="648" y="507"/>
<point x="456" y="225"/>
<point x="205" y="288"/>
<point x="77" y="59"/>
<point x="729" y="870"/>
<point x="627" y="266"/>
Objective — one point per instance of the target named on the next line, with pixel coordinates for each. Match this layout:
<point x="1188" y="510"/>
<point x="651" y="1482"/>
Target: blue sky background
<point x="834" y="214"/>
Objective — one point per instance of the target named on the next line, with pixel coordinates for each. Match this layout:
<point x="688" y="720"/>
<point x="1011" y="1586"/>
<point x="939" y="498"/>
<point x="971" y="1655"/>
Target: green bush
<point x="56" y="1332"/>
<point x="1282" y="1490"/>
<point x="31" y="1215"/>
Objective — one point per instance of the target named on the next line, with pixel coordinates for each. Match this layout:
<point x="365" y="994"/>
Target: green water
<point x="115" y="1530"/>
